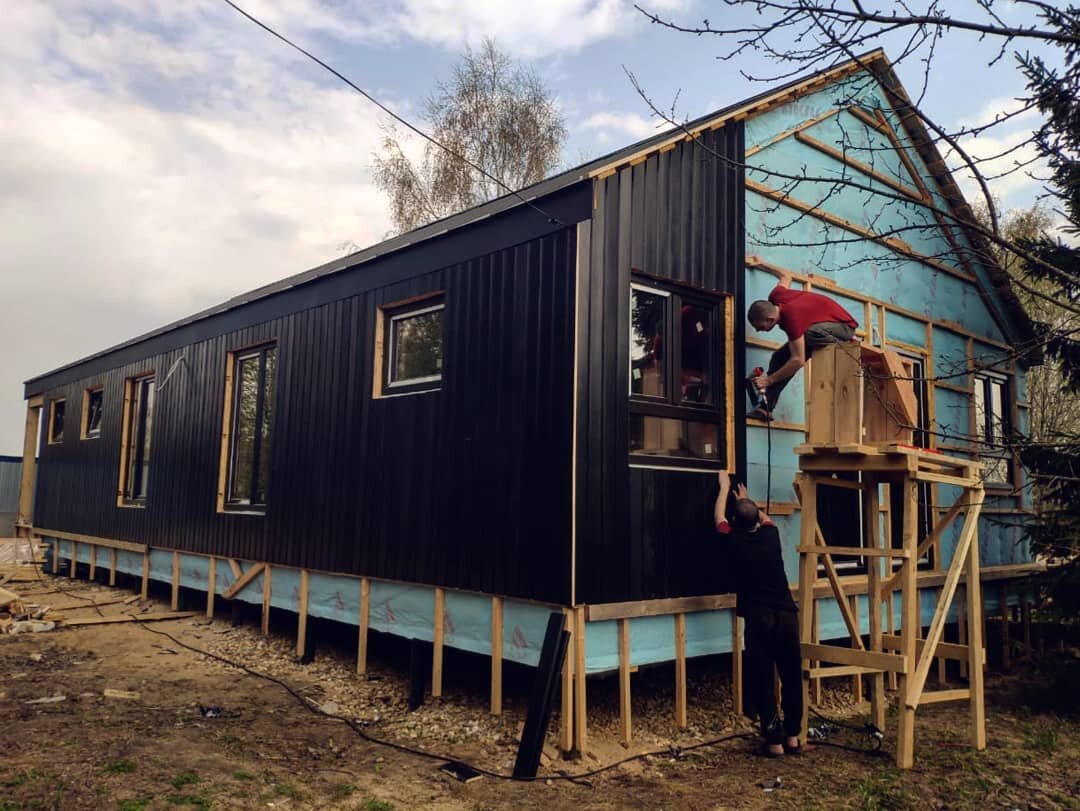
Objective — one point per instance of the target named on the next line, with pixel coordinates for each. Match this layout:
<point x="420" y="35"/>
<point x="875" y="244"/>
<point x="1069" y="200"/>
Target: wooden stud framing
<point x="905" y="747"/>
<point x="496" y="655"/>
<point x="301" y="626"/>
<point x="93" y="562"/>
<point x="74" y="559"/>
<point x="680" y="671"/>
<point x="566" y="707"/>
<point x="144" y="591"/>
<point x="226" y="431"/>
<point x="125" y="440"/>
<point x="437" y="635"/>
<point x="112" y="567"/>
<point x="794" y="131"/>
<point x="29" y="465"/>
<point x="858" y="165"/>
<point x="211" y="587"/>
<point x="175" y="600"/>
<point x="267" y="594"/>
<point x="815" y="681"/>
<point x="362" y="626"/>
<point x="625" y="724"/>
<point x="976" y="655"/>
<point x="808" y="562"/>
<point x="581" y="728"/>
<point x="872" y="524"/>
<point x="243" y="580"/>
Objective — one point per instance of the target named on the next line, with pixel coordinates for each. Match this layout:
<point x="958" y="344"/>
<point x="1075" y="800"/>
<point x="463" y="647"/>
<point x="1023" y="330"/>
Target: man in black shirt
<point x="764" y="600"/>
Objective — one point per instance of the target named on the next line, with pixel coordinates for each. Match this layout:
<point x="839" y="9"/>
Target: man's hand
<point x="761" y="382"/>
<point x="724" y="478"/>
<point x="740" y="492"/>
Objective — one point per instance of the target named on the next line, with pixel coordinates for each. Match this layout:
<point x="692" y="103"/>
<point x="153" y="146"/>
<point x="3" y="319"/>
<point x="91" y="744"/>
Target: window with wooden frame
<point x="678" y="346"/>
<point x="409" y="346"/>
<point x="136" y="432"/>
<point x="248" y="429"/>
<point x="90" y="425"/>
<point x="57" y="408"/>
<point x="992" y="428"/>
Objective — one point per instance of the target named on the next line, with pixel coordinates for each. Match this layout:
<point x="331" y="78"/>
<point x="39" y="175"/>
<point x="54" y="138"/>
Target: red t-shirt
<point x="800" y="309"/>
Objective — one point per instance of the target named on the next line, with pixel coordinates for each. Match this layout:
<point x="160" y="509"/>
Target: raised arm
<point x="720" y="508"/>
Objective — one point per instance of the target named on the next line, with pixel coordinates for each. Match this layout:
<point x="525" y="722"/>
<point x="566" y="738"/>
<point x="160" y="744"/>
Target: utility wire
<point x="551" y="218"/>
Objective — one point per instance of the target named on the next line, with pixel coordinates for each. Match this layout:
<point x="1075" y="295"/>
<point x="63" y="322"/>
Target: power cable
<point x="551" y="218"/>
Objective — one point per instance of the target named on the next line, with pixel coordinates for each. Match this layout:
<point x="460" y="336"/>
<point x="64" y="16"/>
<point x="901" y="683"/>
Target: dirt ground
<point x="158" y="745"/>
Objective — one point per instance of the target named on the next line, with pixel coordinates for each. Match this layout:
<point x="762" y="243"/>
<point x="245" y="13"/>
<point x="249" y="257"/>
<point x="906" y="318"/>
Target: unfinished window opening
<point x="135" y="447"/>
<point x="93" y="400"/>
<point x="992" y="428"/>
<point x="676" y="405"/>
<point x="409" y="347"/>
<point x="56" y="421"/>
<point x="250" y="386"/>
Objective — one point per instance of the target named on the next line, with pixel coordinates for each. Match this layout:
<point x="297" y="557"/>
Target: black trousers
<point x="772" y="642"/>
<point x="816" y="336"/>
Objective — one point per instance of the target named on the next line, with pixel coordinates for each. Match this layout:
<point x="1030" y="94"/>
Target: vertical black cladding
<point x="678" y="215"/>
<point x="467" y="486"/>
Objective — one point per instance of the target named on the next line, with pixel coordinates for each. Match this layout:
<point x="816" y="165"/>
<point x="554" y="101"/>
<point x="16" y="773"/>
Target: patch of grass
<point x="133" y="805"/>
<point x="197" y="800"/>
<point x="371" y="804"/>
<point x="122" y="766"/>
<point x="184" y="779"/>
<point x="880" y="793"/>
<point x="1041" y="737"/>
<point x="242" y="775"/>
<point x="344" y="790"/>
<point x="287" y="790"/>
<point x="22" y="778"/>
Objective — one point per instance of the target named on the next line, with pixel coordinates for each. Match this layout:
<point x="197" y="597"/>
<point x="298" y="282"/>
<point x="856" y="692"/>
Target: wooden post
<point x="497" y="656"/>
<point x="301" y="627"/>
<point x="736" y="663"/>
<point x="1003" y="605"/>
<point x="815" y="683"/>
<point x="93" y="562"/>
<point x="29" y="470"/>
<point x="624" y="681"/>
<point x="680" y="671"/>
<point x="872" y="520"/>
<point x="211" y="587"/>
<point x="175" y="602"/>
<point x="267" y="593"/>
<point x="909" y="624"/>
<point x="74" y="559"/>
<point x="362" y="626"/>
<point x="581" y="730"/>
<point x="566" y="711"/>
<point x="976" y="655"/>
<point x="856" y="679"/>
<point x="807" y="577"/>
<point x="145" y="590"/>
<point x="112" y="567"/>
<point x="438" y="631"/>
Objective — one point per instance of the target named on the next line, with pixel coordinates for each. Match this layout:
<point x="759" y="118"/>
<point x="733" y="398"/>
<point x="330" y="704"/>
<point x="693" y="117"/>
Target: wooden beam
<point x="581" y="727"/>
<point x="946" y="650"/>
<point x="28" y="472"/>
<point x="211" y="587"/>
<point x="566" y="706"/>
<point x="112" y="567"/>
<point x="625" y="724"/>
<point x="127" y="546"/>
<point x="858" y="165"/>
<point x="302" y="612"/>
<point x="175" y="600"/>
<point x="74" y="559"/>
<point x="737" y="663"/>
<point x="851" y="656"/>
<point x="652" y="608"/>
<point x="836" y="671"/>
<point x="362" y="626"/>
<point x="793" y="131"/>
<point x="807" y="492"/>
<point x="144" y="592"/>
<point x="872" y="525"/>
<point x="938" y="696"/>
<point x="93" y="561"/>
<point x="234" y="567"/>
<point x="859" y="551"/>
<point x="905" y="746"/>
<point x="242" y="581"/>
<point x="680" y="671"/>
<point x="496" y="655"/>
<point x="438" y="632"/>
<point x="226" y="432"/>
<point x="267" y="595"/>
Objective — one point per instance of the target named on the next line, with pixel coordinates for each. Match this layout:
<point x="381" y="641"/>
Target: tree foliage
<point x="496" y="113"/>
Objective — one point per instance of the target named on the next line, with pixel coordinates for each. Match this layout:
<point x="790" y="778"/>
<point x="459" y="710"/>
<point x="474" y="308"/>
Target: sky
<point x="158" y="157"/>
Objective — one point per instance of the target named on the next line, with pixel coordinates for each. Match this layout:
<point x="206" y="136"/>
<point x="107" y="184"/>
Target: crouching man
<point x="772" y="621"/>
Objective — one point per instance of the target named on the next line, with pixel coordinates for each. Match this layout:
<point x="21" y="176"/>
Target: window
<point x="56" y="421"/>
<point x="992" y="427"/>
<point x="250" y="391"/>
<point x="676" y="342"/>
<point x="91" y="413"/>
<point x="135" y="448"/>
<point x="409" y="347"/>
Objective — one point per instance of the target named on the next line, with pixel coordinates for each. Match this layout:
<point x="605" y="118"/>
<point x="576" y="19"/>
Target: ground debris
<point x="129" y="695"/>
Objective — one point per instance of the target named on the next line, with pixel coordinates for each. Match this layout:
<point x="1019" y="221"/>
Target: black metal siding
<point x="644" y="533"/>
<point x="465" y="487"/>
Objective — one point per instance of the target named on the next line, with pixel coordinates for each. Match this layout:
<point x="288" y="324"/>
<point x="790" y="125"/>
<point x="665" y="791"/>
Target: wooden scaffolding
<point x="858" y="410"/>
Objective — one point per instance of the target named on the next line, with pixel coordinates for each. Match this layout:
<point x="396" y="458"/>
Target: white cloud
<point x="633" y="125"/>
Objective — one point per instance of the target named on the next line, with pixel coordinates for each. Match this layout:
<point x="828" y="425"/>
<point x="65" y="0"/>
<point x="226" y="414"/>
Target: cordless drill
<point x="756" y="395"/>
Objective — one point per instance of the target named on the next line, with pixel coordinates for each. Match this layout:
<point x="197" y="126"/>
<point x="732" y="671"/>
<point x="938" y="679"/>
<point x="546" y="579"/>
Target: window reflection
<point x="673" y="438"/>
<point x="647" y="329"/>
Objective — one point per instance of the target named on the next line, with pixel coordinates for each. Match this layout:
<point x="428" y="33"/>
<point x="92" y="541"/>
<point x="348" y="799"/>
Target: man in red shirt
<point x="810" y="320"/>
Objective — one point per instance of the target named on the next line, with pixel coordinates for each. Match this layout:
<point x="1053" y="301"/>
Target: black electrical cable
<point x="357" y="728"/>
<point x="551" y="218"/>
<point x="875" y="735"/>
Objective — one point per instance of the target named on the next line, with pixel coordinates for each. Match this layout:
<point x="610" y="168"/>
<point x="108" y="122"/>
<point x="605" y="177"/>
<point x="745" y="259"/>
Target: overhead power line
<point x="551" y="218"/>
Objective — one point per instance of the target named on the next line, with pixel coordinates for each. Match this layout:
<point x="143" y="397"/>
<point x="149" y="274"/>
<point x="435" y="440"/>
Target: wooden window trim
<point x="84" y="420"/>
<point x="225" y="452"/>
<point x="125" y="442"/>
<point x="380" y="389"/>
<point x="55" y="440"/>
